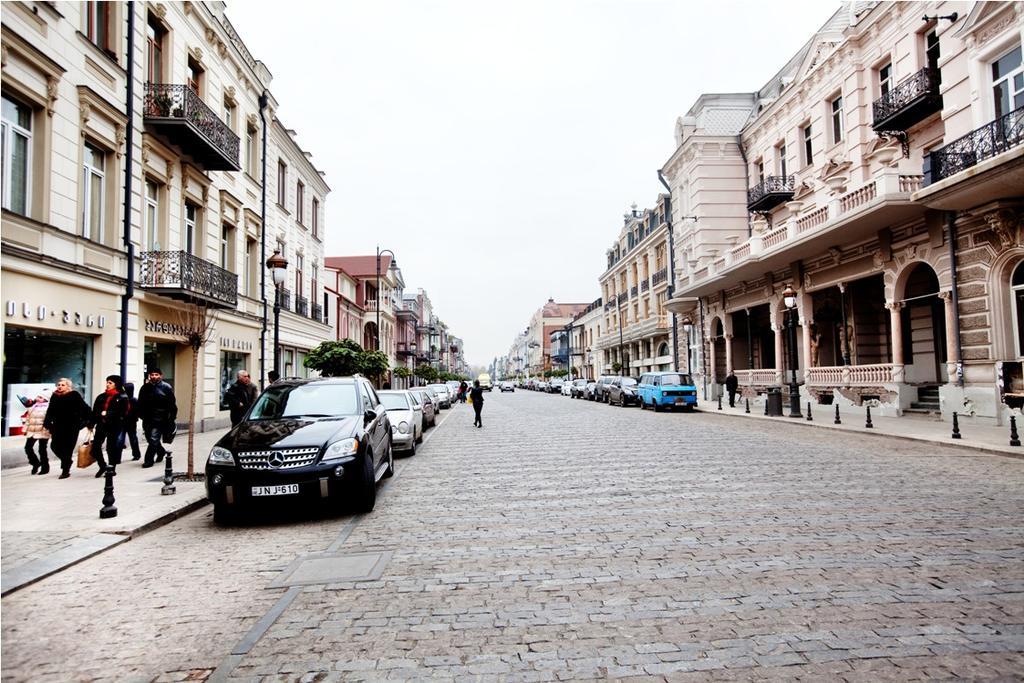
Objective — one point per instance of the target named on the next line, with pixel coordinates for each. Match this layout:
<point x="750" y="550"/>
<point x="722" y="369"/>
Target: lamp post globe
<point x="277" y="264"/>
<point x="789" y="301"/>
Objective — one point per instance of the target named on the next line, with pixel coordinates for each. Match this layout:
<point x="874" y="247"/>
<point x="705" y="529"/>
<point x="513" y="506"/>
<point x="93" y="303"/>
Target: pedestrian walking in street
<point x="240" y="396"/>
<point x="131" y="421"/>
<point x="731" y="385"/>
<point x="476" y="396"/>
<point x="273" y="376"/>
<point x="66" y="415"/>
<point x="109" y="411"/>
<point x="34" y="420"/>
<point x="463" y="390"/>
<point x="158" y="410"/>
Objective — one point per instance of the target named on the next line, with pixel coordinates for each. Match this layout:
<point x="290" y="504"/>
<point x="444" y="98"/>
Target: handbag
<point x="85" y="458"/>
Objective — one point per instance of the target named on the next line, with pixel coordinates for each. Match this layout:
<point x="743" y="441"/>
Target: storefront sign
<point x="166" y="328"/>
<point x="42" y="313"/>
<point x="236" y="344"/>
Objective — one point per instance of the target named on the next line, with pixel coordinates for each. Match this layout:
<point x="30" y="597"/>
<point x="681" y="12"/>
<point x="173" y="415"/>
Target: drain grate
<point x="320" y="568"/>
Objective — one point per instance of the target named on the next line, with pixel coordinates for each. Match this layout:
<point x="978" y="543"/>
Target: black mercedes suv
<point x="303" y="440"/>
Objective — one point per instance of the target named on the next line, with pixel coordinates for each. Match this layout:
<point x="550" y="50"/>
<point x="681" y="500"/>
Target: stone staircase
<point x="927" y="402"/>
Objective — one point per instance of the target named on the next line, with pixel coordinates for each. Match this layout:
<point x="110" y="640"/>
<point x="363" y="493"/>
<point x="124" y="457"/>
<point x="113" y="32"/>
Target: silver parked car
<point x="428" y="396"/>
<point x="406" y="416"/>
<point x="427" y="411"/>
<point x="443" y="394"/>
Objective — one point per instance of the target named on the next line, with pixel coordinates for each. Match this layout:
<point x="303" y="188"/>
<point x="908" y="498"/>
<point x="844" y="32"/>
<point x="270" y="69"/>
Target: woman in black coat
<point x="109" y="411"/>
<point x="67" y="414"/>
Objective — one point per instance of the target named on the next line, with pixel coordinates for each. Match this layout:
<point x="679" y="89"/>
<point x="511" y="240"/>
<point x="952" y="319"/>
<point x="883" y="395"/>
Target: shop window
<point x="230" y="363"/>
<point x="289" y="363"/>
<point x="34" y="356"/>
<point x="93" y="192"/>
<point x="1017" y="293"/>
<point x="17" y="155"/>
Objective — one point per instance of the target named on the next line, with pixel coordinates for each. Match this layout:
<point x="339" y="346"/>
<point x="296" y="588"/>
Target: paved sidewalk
<point x="974" y="436"/>
<point x="50" y="524"/>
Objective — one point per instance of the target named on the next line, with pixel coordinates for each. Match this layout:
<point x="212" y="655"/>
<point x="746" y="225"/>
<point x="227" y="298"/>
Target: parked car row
<point x="655" y="390"/>
<point x="325" y="439"/>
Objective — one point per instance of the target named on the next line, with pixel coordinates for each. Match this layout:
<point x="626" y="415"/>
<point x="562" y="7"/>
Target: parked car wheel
<point x="223" y="515"/>
<point x="412" y="449"/>
<point x="657" y="407"/>
<point x="622" y="400"/>
<point x="390" y="471"/>
<point x="365" y="495"/>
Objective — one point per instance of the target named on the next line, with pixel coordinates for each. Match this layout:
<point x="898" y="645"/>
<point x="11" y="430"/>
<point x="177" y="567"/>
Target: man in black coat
<point x="158" y="410"/>
<point x="240" y="396"/>
<point x="732" y="385"/>
<point x="476" y="395"/>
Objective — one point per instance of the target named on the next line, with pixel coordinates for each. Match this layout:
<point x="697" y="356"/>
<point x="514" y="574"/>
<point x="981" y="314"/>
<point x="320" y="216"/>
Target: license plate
<point x="278" y="490"/>
<point x="680" y="400"/>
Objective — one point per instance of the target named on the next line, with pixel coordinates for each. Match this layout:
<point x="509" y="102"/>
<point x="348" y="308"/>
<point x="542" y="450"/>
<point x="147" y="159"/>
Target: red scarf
<point x="111" y="393"/>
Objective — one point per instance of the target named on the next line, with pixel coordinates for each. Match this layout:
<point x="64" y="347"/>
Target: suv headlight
<point x="341" y="452"/>
<point x="220" y="456"/>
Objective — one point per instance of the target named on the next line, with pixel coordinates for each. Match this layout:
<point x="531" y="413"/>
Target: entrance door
<point x="160" y="355"/>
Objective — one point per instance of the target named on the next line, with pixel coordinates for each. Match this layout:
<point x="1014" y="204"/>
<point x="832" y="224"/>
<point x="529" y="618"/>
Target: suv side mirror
<point x="369" y="416"/>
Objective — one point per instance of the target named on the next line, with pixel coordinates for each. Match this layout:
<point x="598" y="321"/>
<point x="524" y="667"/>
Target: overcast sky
<point x="495" y="146"/>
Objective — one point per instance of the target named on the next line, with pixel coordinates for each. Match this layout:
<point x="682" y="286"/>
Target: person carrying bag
<point x="66" y="415"/>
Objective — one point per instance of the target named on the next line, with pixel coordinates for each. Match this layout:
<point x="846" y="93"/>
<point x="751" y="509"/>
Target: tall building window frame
<point x="251" y="151"/>
<point x="195" y="76"/>
<point x="299" y="263"/>
<point x="300" y="201"/>
<point x="155" y="33"/>
<point x="884" y="74"/>
<point x="94" y="190"/>
<point x="1006" y="70"/>
<point x="97" y="24"/>
<point x="190" y="234"/>
<point x="807" y="136"/>
<point x="282" y="184"/>
<point x="15" y="126"/>
<point x="227" y="247"/>
<point x="780" y="156"/>
<point x="151" y="216"/>
<point x="835" y="105"/>
<point x="314" y="216"/>
<point x="249" y="266"/>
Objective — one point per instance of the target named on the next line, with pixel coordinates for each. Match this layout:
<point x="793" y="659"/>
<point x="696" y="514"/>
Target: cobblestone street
<point x="572" y="540"/>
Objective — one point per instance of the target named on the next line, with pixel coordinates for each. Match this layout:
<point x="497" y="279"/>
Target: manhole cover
<point x="332" y="568"/>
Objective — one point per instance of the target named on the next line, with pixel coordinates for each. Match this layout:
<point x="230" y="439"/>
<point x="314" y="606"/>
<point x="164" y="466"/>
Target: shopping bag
<point x="85" y="458"/>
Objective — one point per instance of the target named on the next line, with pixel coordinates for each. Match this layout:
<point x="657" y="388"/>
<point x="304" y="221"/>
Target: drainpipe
<point x="746" y="178"/>
<point x="955" y="298"/>
<point x="264" y="101"/>
<point x="129" y="290"/>
<point x="671" y="270"/>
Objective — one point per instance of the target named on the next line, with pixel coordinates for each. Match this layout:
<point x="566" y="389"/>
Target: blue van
<point x="667" y="389"/>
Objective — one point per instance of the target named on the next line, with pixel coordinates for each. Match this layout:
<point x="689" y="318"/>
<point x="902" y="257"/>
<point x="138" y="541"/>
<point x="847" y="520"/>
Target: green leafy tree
<point x="336" y="358"/>
<point x="402" y="372"/>
<point x="374" y="364"/>
<point x="616" y="366"/>
<point x="426" y="373"/>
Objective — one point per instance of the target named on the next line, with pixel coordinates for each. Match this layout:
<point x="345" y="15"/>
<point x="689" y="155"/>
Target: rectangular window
<point x="282" y="180"/>
<point x="191" y="237"/>
<point x="780" y="155"/>
<point x="885" y="79"/>
<point x="229" y="115"/>
<point x="836" y="107"/>
<point x="315" y="217"/>
<point x="300" y="200"/>
<point x="97" y="24"/>
<point x="248" y="274"/>
<point x="195" y="77"/>
<point x="760" y="171"/>
<point x="152" y="217"/>
<point x="16" y="138"/>
<point x="314" y="277"/>
<point x="154" y="51"/>
<point x="227" y="247"/>
<point x="931" y="49"/>
<point x="298" y="275"/>
<point x="1008" y="82"/>
<point x="250" y="151"/>
<point x="93" y="183"/>
<point x="807" y="135"/>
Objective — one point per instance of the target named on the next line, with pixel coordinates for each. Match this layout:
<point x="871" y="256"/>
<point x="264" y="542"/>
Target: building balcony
<point x="404" y="349"/>
<point x="645" y="285"/>
<point x="770" y="192"/>
<point x="983" y="166"/>
<point x="181" y="116"/>
<point x="285" y="299"/>
<point x="659" y="277"/>
<point x="910" y="102"/>
<point x="181" y="275"/>
<point x="301" y="305"/>
<point x="633" y="291"/>
<point x="622" y="298"/>
<point x="316" y="312"/>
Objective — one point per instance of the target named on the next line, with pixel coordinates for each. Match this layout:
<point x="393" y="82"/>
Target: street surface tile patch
<point x="321" y="568"/>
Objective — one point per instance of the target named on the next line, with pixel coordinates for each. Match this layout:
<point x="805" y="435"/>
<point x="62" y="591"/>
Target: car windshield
<point x="439" y="387"/>
<point x="675" y="379"/>
<point x="306" y="400"/>
<point x="628" y="382"/>
<point x="394" y="401"/>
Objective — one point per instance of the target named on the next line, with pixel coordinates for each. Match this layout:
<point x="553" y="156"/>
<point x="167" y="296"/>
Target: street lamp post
<point x="789" y="299"/>
<point x="278" y="266"/>
<point x="618" y="310"/>
<point x="393" y="261"/>
<point x="688" y="326"/>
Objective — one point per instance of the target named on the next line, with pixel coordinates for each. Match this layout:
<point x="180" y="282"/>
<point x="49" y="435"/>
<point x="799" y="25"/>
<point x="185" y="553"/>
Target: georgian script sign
<point x="166" y="328"/>
<point x="43" y="313"/>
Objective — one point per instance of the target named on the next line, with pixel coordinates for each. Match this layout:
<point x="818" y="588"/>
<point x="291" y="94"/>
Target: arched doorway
<point x="1017" y="308"/>
<point x="924" y="328"/>
<point x="719" y="341"/>
<point x="663" y="350"/>
<point x="370" y="336"/>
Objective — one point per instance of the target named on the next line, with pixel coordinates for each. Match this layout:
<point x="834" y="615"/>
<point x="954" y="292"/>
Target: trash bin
<point x="773" y="402"/>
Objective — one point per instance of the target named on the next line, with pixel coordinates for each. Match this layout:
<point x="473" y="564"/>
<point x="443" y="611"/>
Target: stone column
<point x="712" y="375"/>
<point x="896" y="323"/>
<point x="951" y="360"/>
<point x="780" y="344"/>
<point x="728" y="352"/>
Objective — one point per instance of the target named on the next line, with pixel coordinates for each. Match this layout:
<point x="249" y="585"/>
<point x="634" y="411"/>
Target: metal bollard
<point x="1014" y="437"/>
<point x="867" y="423"/>
<point x="809" y="418"/>
<point x="747" y="411"/>
<point x="109" y="509"/>
<point x="168" y="488"/>
<point x="838" y="420"/>
<point x="719" y="402"/>
<point x="956" y="428"/>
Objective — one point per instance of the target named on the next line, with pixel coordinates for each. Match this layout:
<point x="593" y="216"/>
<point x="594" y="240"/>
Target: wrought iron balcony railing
<point x="992" y="139"/>
<point x="660" y="276"/>
<point x="645" y="285"/>
<point x="633" y="291"/>
<point x="301" y="305"/>
<point x="286" y="299"/>
<point x="622" y="298"/>
<point x="184" y="276"/>
<point x="180" y="114"/>
<point x="770" y="192"/>
<point x="910" y="102"/>
<point x="316" y="312"/>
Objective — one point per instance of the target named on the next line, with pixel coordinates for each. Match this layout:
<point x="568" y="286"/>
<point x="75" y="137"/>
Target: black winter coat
<point x="156" y="403"/>
<point x="111" y="416"/>
<point x="239" y="397"/>
<point x="66" y="416"/>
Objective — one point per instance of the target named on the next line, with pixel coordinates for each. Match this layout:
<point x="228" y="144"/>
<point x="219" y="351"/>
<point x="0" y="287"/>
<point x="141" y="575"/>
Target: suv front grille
<point x="290" y="458"/>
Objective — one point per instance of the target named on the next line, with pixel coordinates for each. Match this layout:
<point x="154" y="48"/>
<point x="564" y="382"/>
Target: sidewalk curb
<point x="876" y="433"/>
<point x="38" y="569"/>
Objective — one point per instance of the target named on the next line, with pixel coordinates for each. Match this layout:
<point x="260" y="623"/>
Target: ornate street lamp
<point x="394" y="261"/>
<point x="278" y="266"/>
<point x="789" y="300"/>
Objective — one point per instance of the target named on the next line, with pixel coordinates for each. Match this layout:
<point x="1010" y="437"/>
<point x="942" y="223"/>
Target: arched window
<point x="662" y="349"/>
<point x="1017" y="295"/>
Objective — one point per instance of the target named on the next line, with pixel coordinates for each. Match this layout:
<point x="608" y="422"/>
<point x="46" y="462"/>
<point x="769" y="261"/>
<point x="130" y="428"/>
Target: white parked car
<point x="443" y="394"/>
<point x="567" y="389"/>
<point x="406" y="417"/>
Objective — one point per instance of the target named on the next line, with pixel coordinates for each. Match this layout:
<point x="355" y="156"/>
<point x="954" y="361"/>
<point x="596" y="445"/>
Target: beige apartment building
<point x="637" y="333"/>
<point x="194" y="132"/>
<point x="878" y="175"/>
<point x="584" y="330"/>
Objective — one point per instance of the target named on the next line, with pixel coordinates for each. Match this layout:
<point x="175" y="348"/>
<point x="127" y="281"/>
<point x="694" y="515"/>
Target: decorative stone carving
<point x="836" y="255"/>
<point x="1006" y="224"/>
<point x="160" y="10"/>
<point x="876" y="258"/>
<point x="119" y="137"/>
<point x="51" y="94"/>
<point x="3" y="55"/>
<point x="946" y="295"/>
<point x="146" y="151"/>
<point x="84" y="114"/>
<point x="894" y="305"/>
